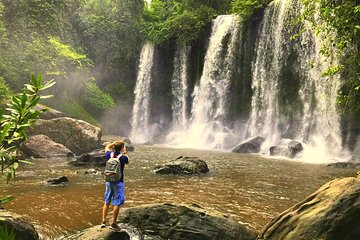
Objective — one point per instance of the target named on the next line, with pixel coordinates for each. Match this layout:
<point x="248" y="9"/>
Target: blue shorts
<point x="115" y="193"/>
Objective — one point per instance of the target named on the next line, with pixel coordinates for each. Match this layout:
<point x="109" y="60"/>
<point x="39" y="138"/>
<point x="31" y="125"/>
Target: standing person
<point x="114" y="192"/>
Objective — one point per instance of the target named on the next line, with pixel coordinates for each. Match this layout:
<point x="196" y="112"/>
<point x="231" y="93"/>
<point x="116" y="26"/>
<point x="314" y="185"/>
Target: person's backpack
<point x="112" y="168"/>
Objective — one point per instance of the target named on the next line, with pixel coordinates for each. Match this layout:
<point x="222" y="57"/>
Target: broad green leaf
<point x="46" y="96"/>
<point x="30" y="88"/>
<point x="48" y="85"/>
<point x="4" y="131"/>
<point x="23" y="100"/>
<point x="34" y="102"/>
<point x="6" y="200"/>
<point x="27" y="162"/>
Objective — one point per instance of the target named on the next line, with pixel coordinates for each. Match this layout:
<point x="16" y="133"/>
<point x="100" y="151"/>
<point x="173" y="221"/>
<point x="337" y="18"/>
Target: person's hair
<point x="118" y="145"/>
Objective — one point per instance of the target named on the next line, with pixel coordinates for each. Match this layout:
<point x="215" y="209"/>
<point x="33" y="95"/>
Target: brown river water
<point x="248" y="188"/>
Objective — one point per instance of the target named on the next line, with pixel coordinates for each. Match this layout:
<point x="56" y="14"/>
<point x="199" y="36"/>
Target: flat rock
<point x="60" y="181"/>
<point x="342" y="165"/>
<point x="179" y="222"/>
<point x="183" y="165"/>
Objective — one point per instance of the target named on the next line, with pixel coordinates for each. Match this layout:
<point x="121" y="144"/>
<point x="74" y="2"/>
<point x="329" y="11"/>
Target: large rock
<point x="331" y="213"/>
<point x="294" y="148"/>
<point x="40" y="146"/>
<point x="291" y="149"/>
<point x="178" y="222"/>
<point x="77" y="135"/>
<point x="252" y="145"/>
<point x="22" y="229"/>
<point x="125" y="232"/>
<point x="50" y="113"/>
<point x="95" y="158"/>
<point x="183" y="165"/>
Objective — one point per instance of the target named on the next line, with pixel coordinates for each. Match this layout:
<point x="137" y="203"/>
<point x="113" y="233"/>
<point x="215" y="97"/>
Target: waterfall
<point x="140" y="129"/>
<point x="320" y="121"/>
<point x="180" y="87"/>
<point x="207" y="127"/>
<point x="269" y="59"/>
<point x="313" y="119"/>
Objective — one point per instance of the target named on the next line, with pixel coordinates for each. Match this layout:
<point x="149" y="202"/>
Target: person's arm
<point x="109" y="147"/>
<point x="126" y="154"/>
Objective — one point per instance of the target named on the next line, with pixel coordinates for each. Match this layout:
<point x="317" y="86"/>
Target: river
<point x="246" y="187"/>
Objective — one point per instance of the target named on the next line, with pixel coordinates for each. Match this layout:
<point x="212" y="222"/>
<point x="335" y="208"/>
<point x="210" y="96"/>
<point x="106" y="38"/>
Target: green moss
<point x="75" y="110"/>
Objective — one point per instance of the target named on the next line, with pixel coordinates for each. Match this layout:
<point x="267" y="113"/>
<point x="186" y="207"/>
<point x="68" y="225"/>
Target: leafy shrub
<point x="21" y="114"/>
<point x="73" y="108"/>
<point x="245" y="8"/>
<point x="174" y="19"/>
<point x="97" y="98"/>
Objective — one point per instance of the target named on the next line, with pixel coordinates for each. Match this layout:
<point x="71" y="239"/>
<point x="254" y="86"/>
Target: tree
<point x="181" y="20"/>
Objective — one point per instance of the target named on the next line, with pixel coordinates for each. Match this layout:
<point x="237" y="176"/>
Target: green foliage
<point x="338" y="24"/>
<point x="174" y="19"/>
<point x="67" y="52"/>
<point x="20" y="114"/>
<point x="246" y="8"/>
<point x="6" y="200"/>
<point x="97" y="98"/>
<point x="5" y="91"/>
<point x="74" y="109"/>
<point x="5" y="234"/>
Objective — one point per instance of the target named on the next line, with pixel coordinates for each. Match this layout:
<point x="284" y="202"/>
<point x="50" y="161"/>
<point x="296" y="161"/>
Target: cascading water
<point x="140" y="129"/>
<point x="266" y="69"/>
<point x="320" y="121"/>
<point x="207" y="124"/>
<point x="314" y="118"/>
<point x="180" y="88"/>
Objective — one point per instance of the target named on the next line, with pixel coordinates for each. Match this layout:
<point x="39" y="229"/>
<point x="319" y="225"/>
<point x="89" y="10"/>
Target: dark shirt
<point x="123" y="160"/>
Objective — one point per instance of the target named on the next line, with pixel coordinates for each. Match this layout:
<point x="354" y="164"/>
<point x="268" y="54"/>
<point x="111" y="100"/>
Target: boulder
<point x="60" y="181"/>
<point x="291" y="150"/>
<point x="179" y="222"/>
<point x="77" y="135"/>
<point x="50" y="112"/>
<point x="294" y="148"/>
<point x="96" y="232"/>
<point x="278" y="151"/>
<point x="125" y="232"/>
<point x="41" y="146"/>
<point x="22" y="229"/>
<point x="252" y="145"/>
<point x="183" y="165"/>
<point x="332" y="213"/>
<point x="95" y="158"/>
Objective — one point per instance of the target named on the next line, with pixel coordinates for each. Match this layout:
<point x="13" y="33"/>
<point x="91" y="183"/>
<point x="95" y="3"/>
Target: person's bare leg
<point x="115" y="214"/>
<point x="104" y="212"/>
